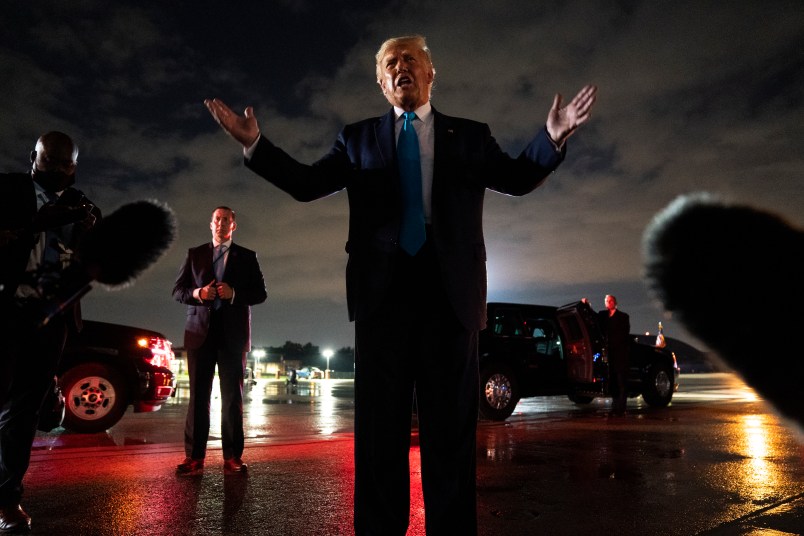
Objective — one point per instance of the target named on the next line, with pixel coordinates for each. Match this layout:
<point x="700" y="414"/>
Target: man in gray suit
<point x="416" y="275"/>
<point x="219" y="281"/>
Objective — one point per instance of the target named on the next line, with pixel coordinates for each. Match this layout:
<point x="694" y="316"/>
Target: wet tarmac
<point x="717" y="462"/>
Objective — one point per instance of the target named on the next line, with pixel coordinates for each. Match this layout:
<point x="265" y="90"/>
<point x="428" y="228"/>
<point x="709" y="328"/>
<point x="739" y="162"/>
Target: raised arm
<point x="243" y="128"/>
<point x="562" y="122"/>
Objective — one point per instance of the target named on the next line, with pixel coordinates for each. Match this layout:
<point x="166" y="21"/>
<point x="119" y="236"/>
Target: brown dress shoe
<point x="13" y="519"/>
<point x="190" y="467"/>
<point x="234" y="465"/>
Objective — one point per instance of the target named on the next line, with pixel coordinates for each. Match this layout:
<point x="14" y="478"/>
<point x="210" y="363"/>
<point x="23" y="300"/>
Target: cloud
<point x="692" y="97"/>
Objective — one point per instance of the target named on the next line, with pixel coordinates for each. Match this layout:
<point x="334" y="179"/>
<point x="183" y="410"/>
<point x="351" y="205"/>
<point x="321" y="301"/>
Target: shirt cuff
<point x="248" y="152"/>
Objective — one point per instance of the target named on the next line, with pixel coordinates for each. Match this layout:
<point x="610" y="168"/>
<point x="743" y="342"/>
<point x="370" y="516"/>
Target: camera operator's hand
<point x="53" y="215"/>
<point x="89" y="220"/>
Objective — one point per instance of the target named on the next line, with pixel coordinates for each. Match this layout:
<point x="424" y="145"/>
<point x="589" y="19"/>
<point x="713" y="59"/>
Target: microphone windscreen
<point x="124" y="244"/>
<point x="732" y="275"/>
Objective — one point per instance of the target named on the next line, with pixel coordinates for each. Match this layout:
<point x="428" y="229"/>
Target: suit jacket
<point x="18" y="214"/>
<point x="242" y="273"/>
<point x="617" y="329"/>
<point x="363" y="160"/>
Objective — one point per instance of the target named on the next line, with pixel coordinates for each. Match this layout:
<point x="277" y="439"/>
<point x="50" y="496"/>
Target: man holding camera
<point x="42" y="222"/>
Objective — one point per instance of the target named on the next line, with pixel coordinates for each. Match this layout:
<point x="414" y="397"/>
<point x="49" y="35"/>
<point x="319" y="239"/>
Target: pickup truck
<point x="106" y="368"/>
<point x="533" y="350"/>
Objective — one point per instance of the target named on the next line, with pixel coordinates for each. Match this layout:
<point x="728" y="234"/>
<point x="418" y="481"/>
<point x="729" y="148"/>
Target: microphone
<point x="114" y="253"/>
<point x="732" y="275"/>
<point x="125" y="243"/>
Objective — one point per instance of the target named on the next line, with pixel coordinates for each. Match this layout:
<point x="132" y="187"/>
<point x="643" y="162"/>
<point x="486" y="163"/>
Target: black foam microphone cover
<point x="114" y="252"/>
<point x="732" y="274"/>
<point x="125" y="243"/>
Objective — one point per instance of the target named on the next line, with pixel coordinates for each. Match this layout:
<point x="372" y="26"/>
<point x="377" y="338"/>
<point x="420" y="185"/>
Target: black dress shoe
<point x="14" y="520"/>
<point x="234" y="466"/>
<point x="190" y="467"/>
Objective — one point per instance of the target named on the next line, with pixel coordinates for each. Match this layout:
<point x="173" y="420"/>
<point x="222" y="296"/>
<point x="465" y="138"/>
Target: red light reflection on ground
<point x="416" y="526"/>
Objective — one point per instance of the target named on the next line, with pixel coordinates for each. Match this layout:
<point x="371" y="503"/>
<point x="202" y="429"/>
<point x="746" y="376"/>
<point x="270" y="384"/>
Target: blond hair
<point x="417" y="40"/>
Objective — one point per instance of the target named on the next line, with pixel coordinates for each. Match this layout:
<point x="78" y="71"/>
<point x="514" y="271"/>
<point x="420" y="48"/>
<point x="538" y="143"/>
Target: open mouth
<point x="403" y="81"/>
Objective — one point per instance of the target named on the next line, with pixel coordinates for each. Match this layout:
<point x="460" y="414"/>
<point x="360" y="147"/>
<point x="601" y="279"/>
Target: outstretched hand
<point x="562" y="122"/>
<point x="243" y="128"/>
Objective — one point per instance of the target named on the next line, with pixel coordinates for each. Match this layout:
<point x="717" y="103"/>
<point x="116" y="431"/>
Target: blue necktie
<point x="411" y="232"/>
<point x="218" y="265"/>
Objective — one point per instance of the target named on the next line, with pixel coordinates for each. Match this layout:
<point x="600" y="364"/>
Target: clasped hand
<point x="214" y="290"/>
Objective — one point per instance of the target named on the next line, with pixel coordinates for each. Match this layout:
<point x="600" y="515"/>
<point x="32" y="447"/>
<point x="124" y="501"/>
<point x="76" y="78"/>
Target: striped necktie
<point x="218" y="263"/>
<point x="219" y="266"/>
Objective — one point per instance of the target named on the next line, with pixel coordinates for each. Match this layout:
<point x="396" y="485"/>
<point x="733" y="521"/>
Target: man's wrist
<point x="557" y="144"/>
<point x="248" y="150"/>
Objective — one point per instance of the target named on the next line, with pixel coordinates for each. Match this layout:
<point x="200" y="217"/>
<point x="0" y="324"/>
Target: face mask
<point x="53" y="181"/>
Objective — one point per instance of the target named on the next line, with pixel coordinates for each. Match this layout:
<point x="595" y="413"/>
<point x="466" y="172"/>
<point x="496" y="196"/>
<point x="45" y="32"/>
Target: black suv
<point x="531" y="350"/>
<point x="107" y="367"/>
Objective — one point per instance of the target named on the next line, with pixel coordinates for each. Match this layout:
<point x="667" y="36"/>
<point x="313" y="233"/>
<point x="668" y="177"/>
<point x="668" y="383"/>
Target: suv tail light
<point x="161" y="351"/>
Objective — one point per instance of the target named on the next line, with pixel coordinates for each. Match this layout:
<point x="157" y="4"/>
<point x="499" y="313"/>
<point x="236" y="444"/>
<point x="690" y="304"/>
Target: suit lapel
<point x="384" y="134"/>
<point x="442" y="142"/>
<point x="206" y="260"/>
<point x="229" y="260"/>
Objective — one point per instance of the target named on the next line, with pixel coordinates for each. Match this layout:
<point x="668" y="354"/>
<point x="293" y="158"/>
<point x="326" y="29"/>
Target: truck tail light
<point x="161" y="351"/>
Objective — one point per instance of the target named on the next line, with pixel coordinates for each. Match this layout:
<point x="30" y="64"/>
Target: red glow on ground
<point x="416" y="526"/>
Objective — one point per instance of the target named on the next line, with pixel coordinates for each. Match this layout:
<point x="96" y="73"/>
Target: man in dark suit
<point x="219" y="282"/>
<point x="43" y="219"/>
<point x="416" y="275"/>
<point x="616" y="328"/>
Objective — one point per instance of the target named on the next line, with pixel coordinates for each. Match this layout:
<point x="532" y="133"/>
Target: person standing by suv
<point x="42" y="221"/>
<point x="616" y="328"/>
<point x="219" y="282"/>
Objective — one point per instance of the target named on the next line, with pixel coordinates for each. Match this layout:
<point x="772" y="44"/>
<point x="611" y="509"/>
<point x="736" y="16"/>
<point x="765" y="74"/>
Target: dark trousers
<point x="415" y="346"/>
<point x="28" y="363"/>
<point x="201" y="367"/>
<point x="618" y="376"/>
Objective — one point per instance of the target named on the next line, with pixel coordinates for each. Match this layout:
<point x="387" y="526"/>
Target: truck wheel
<point x="95" y="397"/>
<point x="499" y="392"/>
<point x="657" y="386"/>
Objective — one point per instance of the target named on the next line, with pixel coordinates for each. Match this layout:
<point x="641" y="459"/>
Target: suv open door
<point x="584" y="350"/>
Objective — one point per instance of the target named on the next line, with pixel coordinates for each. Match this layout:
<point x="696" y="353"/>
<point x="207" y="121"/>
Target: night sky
<point x="692" y="96"/>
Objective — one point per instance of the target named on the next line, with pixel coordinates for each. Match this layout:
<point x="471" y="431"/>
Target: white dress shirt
<point x="425" y="131"/>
